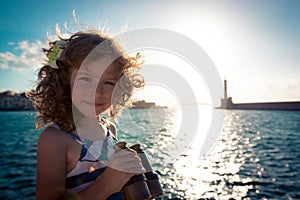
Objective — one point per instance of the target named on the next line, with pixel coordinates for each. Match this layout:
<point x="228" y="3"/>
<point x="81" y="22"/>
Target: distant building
<point x="142" y="104"/>
<point x="10" y="100"/>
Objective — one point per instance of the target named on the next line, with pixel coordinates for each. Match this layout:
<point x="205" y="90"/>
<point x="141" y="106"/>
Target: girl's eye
<point x="109" y="83"/>
<point x="85" y="78"/>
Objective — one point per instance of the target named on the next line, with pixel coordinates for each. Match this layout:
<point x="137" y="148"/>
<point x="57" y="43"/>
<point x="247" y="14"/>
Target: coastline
<point x="16" y="109"/>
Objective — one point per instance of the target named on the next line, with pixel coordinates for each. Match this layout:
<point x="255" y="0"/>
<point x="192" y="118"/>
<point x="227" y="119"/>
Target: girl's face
<point x="92" y="86"/>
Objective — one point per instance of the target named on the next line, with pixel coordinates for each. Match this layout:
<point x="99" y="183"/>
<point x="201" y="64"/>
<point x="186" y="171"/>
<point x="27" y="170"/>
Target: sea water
<point x="256" y="154"/>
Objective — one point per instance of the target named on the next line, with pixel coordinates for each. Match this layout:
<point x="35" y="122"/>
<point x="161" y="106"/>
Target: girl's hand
<point x="123" y="164"/>
<point x="126" y="160"/>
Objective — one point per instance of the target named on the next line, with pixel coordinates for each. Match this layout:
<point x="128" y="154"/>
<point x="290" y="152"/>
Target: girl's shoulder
<point x="54" y="137"/>
<point x="52" y="131"/>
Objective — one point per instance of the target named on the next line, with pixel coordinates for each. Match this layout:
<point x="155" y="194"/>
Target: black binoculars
<point x="143" y="186"/>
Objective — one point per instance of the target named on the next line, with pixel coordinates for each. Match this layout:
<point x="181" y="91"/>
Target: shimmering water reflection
<point x="256" y="157"/>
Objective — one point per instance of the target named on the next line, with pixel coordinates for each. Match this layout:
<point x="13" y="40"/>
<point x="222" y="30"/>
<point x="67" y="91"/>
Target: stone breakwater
<point x="292" y="106"/>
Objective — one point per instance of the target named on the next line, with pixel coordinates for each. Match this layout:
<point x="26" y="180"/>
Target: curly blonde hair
<point x="52" y="95"/>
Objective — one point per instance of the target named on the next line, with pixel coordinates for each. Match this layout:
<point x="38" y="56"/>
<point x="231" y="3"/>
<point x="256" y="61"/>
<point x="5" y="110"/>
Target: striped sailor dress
<point x="93" y="160"/>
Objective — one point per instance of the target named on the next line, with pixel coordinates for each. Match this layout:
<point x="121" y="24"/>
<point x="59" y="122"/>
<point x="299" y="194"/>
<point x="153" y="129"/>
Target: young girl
<point x="85" y="76"/>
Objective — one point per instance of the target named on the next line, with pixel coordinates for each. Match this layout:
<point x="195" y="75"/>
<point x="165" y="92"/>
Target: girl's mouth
<point x="93" y="103"/>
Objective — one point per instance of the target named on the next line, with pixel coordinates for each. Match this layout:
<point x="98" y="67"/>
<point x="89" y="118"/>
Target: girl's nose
<point x="100" y="90"/>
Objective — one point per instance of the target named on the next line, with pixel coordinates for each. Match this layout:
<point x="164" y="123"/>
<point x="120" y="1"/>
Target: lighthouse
<point x="225" y="92"/>
<point x="225" y="99"/>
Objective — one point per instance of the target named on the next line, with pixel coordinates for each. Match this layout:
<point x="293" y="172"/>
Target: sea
<point x="251" y="154"/>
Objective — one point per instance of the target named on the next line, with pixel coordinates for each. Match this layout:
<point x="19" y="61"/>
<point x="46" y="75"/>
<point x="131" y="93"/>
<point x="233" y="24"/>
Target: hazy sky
<point x="254" y="44"/>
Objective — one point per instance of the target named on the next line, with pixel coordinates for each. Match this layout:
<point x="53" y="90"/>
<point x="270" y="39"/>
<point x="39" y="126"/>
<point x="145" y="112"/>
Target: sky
<point x="254" y="44"/>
